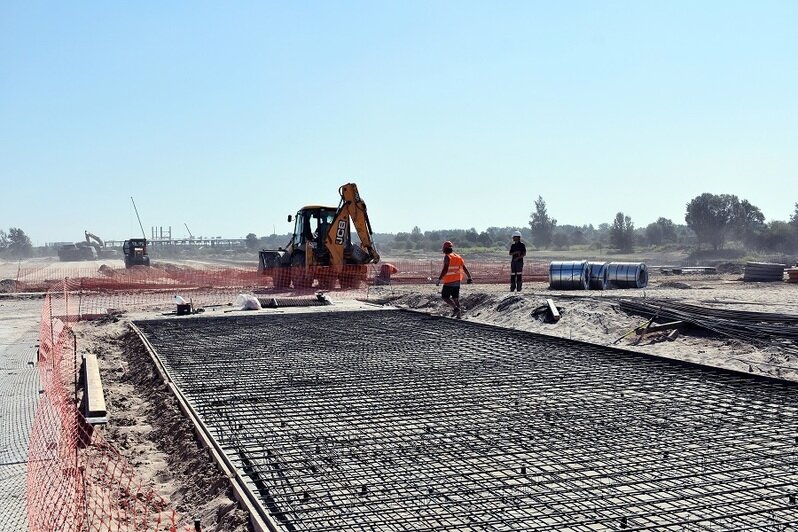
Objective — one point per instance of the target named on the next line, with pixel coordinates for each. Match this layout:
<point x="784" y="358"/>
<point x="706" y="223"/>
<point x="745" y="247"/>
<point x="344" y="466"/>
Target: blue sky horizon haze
<point x="229" y="116"/>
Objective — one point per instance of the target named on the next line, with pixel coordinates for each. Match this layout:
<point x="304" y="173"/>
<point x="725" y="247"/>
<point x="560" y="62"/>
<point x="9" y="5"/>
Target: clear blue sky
<point x="227" y="116"/>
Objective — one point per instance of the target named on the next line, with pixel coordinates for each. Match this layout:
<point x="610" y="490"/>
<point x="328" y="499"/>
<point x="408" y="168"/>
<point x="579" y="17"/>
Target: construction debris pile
<point x="759" y="328"/>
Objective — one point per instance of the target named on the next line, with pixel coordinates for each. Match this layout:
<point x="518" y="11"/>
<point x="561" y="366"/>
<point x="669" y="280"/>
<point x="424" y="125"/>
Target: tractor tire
<point x="300" y="276"/>
<point x="281" y="277"/>
<point x="353" y="276"/>
<point x="326" y="277"/>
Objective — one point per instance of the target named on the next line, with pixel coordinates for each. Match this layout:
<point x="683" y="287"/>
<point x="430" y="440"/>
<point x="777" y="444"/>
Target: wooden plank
<point x="656" y="328"/>
<point x="555" y="314"/>
<point x="93" y="394"/>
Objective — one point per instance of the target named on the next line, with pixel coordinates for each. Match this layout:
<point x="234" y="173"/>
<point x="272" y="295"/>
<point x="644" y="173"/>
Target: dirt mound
<point x="172" y="268"/>
<point x="509" y="302"/>
<point x="675" y="284"/>
<point x="7" y="286"/>
<point x="106" y="271"/>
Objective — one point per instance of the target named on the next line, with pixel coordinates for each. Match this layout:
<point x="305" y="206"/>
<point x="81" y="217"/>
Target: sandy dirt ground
<point x="147" y="427"/>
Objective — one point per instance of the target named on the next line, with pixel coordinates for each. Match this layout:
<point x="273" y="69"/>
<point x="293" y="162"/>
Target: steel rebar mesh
<point x="391" y="420"/>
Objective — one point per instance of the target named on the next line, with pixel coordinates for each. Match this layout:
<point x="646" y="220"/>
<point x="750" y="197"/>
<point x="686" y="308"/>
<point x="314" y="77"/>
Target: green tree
<point x="416" y="235"/>
<point x="542" y="224"/>
<point x="560" y="240"/>
<point x="252" y="241"/>
<point x="779" y="237"/>
<point x="794" y="217"/>
<point x="749" y="223"/>
<point x="622" y="232"/>
<point x="3" y="240"/>
<point x="712" y="217"/>
<point x="661" y="231"/>
<point x="578" y="237"/>
<point x="19" y="244"/>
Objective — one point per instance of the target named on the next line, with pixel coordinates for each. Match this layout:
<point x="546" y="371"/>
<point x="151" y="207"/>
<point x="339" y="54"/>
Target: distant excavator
<point x="92" y="249"/>
<point x="321" y="247"/>
<point x="76" y="251"/>
<point x="98" y="244"/>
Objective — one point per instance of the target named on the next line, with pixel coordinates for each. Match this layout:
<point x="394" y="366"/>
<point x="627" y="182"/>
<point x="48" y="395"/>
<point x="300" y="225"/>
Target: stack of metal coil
<point x="569" y="275"/>
<point x="599" y="275"/>
<point x="581" y="275"/>
<point x="627" y="274"/>
<point x="764" y="272"/>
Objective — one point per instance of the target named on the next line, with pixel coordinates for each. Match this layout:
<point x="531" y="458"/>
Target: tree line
<point x="711" y="220"/>
<point x="15" y="243"/>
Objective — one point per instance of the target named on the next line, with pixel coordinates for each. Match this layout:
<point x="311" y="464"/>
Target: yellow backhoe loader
<point x="321" y="248"/>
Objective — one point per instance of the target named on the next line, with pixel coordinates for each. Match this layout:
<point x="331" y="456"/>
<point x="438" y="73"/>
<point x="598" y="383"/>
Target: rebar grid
<point x="391" y="420"/>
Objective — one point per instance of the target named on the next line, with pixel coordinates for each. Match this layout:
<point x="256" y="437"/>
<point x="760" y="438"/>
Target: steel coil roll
<point x="627" y="274"/>
<point x="599" y="275"/>
<point x="568" y="275"/>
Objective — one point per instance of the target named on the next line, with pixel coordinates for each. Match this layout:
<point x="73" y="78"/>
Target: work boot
<point x="518" y="282"/>
<point x="458" y="314"/>
<point x="512" y="282"/>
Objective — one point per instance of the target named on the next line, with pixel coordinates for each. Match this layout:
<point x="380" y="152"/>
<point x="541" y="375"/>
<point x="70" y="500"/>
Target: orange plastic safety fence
<point x="295" y="279"/>
<point x="76" y="480"/>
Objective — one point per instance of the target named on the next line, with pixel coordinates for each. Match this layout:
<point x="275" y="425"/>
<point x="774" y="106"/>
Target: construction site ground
<point x="19" y="337"/>
<point x="146" y="425"/>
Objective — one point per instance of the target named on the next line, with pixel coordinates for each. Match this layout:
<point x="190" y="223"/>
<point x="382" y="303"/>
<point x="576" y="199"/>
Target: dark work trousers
<point x="516" y="274"/>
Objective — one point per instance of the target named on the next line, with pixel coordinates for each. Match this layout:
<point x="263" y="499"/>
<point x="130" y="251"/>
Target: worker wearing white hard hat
<point x="517" y="254"/>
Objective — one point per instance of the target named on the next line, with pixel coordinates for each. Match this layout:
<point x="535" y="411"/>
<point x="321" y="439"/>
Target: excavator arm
<point x="354" y="208"/>
<point x="92" y="237"/>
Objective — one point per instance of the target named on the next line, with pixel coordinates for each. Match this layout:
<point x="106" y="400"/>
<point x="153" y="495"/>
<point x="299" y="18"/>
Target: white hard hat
<point x="516" y="234"/>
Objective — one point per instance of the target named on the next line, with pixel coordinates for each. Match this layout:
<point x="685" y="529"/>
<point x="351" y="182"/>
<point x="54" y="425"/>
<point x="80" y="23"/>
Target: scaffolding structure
<point x="393" y="420"/>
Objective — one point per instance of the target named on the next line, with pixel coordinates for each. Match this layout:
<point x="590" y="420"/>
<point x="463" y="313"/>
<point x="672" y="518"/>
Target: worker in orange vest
<point x="451" y="275"/>
<point x="386" y="270"/>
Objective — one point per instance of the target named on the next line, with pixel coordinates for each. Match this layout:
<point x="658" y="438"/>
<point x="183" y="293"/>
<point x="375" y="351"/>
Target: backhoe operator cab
<point x="310" y="222"/>
<point x="321" y="246"/>
<point x="135" y="250"/>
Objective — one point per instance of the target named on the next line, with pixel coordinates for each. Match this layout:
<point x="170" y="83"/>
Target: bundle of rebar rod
<point x="753" y="327"/>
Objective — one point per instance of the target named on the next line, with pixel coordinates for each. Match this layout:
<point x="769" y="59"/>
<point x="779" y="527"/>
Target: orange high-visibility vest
<point x="454" y="273"/>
